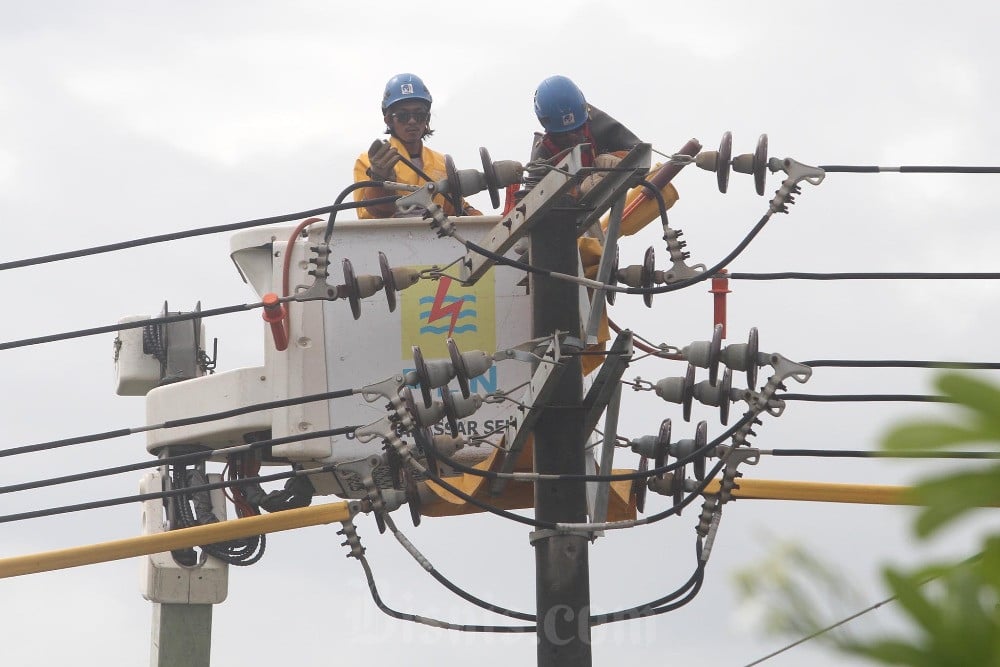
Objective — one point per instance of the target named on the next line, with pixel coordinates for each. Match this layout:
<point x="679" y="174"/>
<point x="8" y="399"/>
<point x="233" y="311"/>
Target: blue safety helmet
<point x="560" y="105"/>
<point x="404" y="87"/>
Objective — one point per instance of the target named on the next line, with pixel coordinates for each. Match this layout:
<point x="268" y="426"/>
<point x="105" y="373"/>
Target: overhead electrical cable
<point x="174" y="423"/>
<point x="191" y="457"/>
<point x="860" y="275"/>
<point x="879" y="454"/>
<point x="900" y="363"/>
<point x="865" y="398"/>
<point x="124" y="500"/>
<point x="174" y="236"/>
<point x="908" y="169"/>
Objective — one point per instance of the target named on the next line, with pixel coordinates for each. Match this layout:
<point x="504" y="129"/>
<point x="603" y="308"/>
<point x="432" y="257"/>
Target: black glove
<point x="383" y="158"/>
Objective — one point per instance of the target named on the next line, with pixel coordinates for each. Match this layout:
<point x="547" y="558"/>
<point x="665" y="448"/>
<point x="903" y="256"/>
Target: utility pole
<point x="562" y="568"/>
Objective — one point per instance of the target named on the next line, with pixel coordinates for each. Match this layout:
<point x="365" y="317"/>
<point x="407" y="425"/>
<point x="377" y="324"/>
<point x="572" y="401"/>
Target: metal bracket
<point x="542" y="383"/>
<point x="516" y="224"/>
<point x="387" y="389"/>
<point x="607" y="380"/>
<point x="604" y="269"/>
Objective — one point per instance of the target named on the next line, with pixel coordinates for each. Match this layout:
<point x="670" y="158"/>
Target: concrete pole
<point x="562" y="576"/>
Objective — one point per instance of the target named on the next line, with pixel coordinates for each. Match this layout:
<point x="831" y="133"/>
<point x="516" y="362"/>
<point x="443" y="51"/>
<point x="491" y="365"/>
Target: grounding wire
<point x="174" y="423"/>
<point x="174" y="236"/>
<point x="191" y="457"/>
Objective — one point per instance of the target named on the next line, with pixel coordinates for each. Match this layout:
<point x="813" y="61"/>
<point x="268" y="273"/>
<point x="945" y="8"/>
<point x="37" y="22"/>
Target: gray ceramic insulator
<point x="466" y="406"/>
<point x="368" y="285"/>
<point x="671" y="389"/>
<point x="477" y="362"/>
<point x="708" y="394"/>
<point x="682" y="448"/>
<point x="735" y="356"/>
<point x="743" y="163"/>
<point x="645" y="446"/>
<point x="707" y="160"/>
<point x="508" y="172"/>
<point x="431" y="415"/>
<point x="699" y="353"/>
<point x="439" y="372"/>
<point x="446" y="445"/>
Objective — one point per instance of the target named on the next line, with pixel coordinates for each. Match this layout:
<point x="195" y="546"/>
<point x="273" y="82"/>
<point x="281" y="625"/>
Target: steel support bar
<point x="516" y="224"/>
<point x="607" y="454"/>
<point x="543" y="381"/>
<point x="825" y="492"/>
<point x="176" y="539"/>
<point x="607" y="381"/>
<point x="607" y="264"/>
<point x="562" y="570"/>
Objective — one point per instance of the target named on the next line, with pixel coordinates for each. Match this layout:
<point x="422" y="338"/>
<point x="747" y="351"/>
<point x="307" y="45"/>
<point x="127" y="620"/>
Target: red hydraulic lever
<point x="275" y="314"/>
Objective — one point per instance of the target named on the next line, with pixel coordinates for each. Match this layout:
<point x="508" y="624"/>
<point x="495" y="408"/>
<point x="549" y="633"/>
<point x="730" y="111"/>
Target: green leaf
<point x="971" y="392"/>
<point x="949" y="497"/>
<point x="892" y="652"/>
<point x="932" y="435"/>
<point x="907" y="590"/>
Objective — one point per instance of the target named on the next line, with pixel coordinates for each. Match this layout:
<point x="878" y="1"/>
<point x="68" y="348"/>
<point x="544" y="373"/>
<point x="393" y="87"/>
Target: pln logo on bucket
<point x="433" y="311"/>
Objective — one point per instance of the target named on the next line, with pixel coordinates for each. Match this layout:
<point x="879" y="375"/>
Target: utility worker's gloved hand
<point x="383" y="158"/>
<point x="602" y="161"/>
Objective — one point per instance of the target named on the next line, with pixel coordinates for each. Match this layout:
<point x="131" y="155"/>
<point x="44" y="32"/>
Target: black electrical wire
<point x="338" y="205"/>
<point x="908" y="169"/>
<point x="900" y="363"/>
<point x="865" y="398"/>
<point x="192" y="457"/>
<point x="174" y="236"/>
<point x="444" y="625"/>
<point x="174" y="423"/>
<point x="121" y="326"/>
<point x="124" y="500"/>
<point x="638" y="611"/>
<point x="879" y="454"/>
<point x="859" y="275"/>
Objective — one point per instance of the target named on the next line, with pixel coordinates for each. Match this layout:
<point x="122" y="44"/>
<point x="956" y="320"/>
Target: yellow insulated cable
<point x="769" y="489"/>
<point x="174" y="539"/>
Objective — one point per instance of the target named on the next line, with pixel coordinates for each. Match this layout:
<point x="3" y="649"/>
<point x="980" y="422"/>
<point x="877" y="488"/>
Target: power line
<point x="908" y="169"/>
<point x="180" y="458"/>
<point x="174" y="423"/>
<point x="859" y="275"/>
<point x="900" y="363"/>
<point x="865" y="398"/>
<point x="174" y="236"/>
<point x="880" y="454"/>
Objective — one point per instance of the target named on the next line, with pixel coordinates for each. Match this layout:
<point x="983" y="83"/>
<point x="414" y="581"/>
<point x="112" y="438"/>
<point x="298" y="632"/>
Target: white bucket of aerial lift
<point x="165" y="580"/>
<point x="330" y="350"/>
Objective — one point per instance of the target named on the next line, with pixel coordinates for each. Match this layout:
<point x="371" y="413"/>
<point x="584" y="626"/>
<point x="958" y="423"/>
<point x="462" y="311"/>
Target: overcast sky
<point x="123" y="119"/>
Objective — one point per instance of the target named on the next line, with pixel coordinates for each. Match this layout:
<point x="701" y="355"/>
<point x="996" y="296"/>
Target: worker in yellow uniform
<point x="406" y="110"/>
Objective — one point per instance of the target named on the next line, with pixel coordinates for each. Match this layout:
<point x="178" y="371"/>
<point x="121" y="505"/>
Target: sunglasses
<point x="405" y="116"/>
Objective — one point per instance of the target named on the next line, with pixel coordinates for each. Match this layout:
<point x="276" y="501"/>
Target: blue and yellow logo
<point x="433" y="311"/>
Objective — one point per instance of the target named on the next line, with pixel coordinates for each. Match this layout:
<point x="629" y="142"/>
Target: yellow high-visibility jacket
<point x="433" y="166"/>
